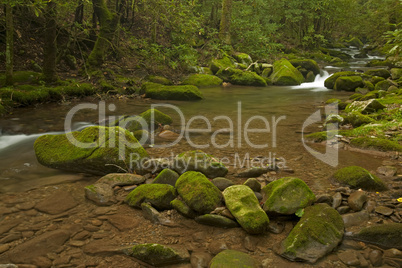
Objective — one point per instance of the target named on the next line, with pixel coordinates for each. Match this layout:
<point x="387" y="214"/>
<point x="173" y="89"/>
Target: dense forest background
<point x="170" y="37"/>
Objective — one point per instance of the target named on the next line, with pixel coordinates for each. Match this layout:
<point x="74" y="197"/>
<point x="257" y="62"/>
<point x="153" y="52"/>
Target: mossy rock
<point x="166" y="176"/>
<point x="239" y="77"/>
<point x="94" y="150"/>
<point x="286" y="196"/>
<point x="158" y="195"/>
<point x="357" y="119"/>
<point x="348" y="83"/>
<point x="161" y="92"/>
<point x="388" y="235"/>
<point x="158" y="255"/>
<point x="199" y="161"/>
<point x="267" y="72"/>
<point x="77" y="90"/>
<point x="24" y="95"/>
<point x="380" y="63"/>
<point x="150" y="119"/>
<point x="310" y="77"/>
<point x="22" y="77"/>
<point x="202" y="80"/>
<point x="318" y="232"/>
<point x="362" y="90"/>
<point x="216" y="220"/>
<point x="244" y="206"/>
<point x="376" y="144"/>
<point x="159" y="80"/>
<point x="335" y="53"/>
<point x="243" y="58"/>
<point x="222" y="183"/>
<point x="376" y="79"/>
<point x="341" y="105"/>
<point x="358" y="177"/>
<point x="383" y="85"/>
<point x="183" y="208"/>
<point x="198" y="192"/>
<point x="310" y="65"/>
<point x="285" y="74"/>
<point x="218" y="64"/>
<point x="330" y="81"/>
<point x="365" y="107"/>
<point x="379" y="72"/>
<point x="318" y="136"/>
<point x="233" y="258"/>
<point x="354" y="41"/>
<point x="396" y="73"/>
<point x="143" y="136"/>
<point x="368" y="85"/>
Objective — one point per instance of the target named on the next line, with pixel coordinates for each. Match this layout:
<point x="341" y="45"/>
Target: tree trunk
<point x="9" y="44"/>
<point x="224" y="31"/>
<point x="50" y="46"/>
<point x="79" y="12"/>
<point x="108" y="22"/>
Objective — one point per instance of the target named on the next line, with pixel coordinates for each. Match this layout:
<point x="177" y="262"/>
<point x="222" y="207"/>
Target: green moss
<point x="77" y="90"/>
<point x="376" y="144"/>
<point x="310" y="65"/>
<point x="354" y="41"/>
<point x="202" y="80"/>
<point x="378" y="72"/>
<point x="183" y="209"/>
<point x="156" y="117"/>
<point x="330" y="81"/>
<point x="239" y="77"/>
<point x="217" y="64"/>
<point x="243" y="58"/>
<point x="91" y="188"/>
<point x="321" y="136"/>
<point x="376" y="79"/>
<point x="167" y="176"/>
<point x="198" y="192"/>
<point x="158" y="195"/>
<point x="22" y="77"/>
<point x="233" y="258"/>
<point x="159" y="80"/>
<point x="348" y="83"/>
<point x="380" y="63"/>
<point x="357" y="119"/>
<point x="396" y="73"/>
<point x="383" y="85"/>
<point x="142" y="135"/>
<point x="285" y="74"/>
<point x="358" y="177"/>
<point x="161" y="92"/>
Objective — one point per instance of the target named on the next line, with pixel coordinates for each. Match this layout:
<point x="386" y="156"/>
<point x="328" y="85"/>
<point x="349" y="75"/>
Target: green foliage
<point x="394" y="40"/>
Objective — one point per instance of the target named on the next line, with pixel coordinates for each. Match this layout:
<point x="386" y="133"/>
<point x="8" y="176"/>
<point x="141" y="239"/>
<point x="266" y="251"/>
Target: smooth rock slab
<point x="121" y="179"/>
<point x="57" y="203"/>
<point x="158" y="255"/>
<point x="353" y="219"/>
<point x="233" y="258"/>
<point x="317" y="233"/>
<point x="386" y="211"/>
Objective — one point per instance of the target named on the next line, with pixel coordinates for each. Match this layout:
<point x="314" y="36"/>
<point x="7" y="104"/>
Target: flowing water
<point x="279" y="111"/>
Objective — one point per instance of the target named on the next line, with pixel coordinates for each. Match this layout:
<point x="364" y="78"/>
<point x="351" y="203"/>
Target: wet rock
<point x="123" y="222"/>
<point x="199" y="161"/>
<point x="233" y="258"/>
<point x="358" y="177"/>
<point x="158" y="255"/>
<point x="365" y="107"/>
<point x="356" y="200"/>
<point x="349" y="257"/>
<point x="215" y="247"/>
<point x="244" y="206"/>
<point x="222" y="183"/>
<point x="287" y="195"/>
<point x="101" y="194"/>
<point x="200" y="259"/>
<point x="386" y="235"/>
<point x="386" y="211"/>
<point x="325" y="198"/>
<point x="216" y="220"/>
<point x="167" y="176"/>
<point x="363" y="262"/>
<point x="254" y="184"/>
<point x="198" y="192"/>
<point x="337" y="200"/>
<point x="276" y="227"/>
<point x="183" y="208"/>
<point x="223" y="211"/>
<point x="254" y="172"/>
<point x="371" y="204"/>
<point x="57" y="203"/>
<point x="343" y="209"/>
<point x="121" y="179"/>
<point x="317" y="233"/>
<point x="388" y="171"/>
<point x="258" y="195"/>
<point x="153" y="215"/>
<point x="158" y="195"/>
<point x="353" y="219"/>
<point x="376" y="257"/>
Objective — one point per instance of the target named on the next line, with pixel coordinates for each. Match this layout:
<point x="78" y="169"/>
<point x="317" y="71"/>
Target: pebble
<point x="387" y="171"/>
<point x="376" y="257"/>
<point x="349" y="257"/>
<point x="82" y="235"/>
<point x="356" y="200"/>
<point x="383" y="210"/>
<point x="337" y="200"/>
<point x="343" y="209"/>
<point x="371" y="204"/>
<point x="77" y="243"/>
<point x="216" y="247"/>
<point x="105" y="211"/>
<point x="393" y="253"/>
<point x="325" y="198"/>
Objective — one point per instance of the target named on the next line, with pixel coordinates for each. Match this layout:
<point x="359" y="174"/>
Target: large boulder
<point x="310" y="65"/>
<point x="317" y="233"/>
<point x="348" y="83"/>
<point x="158" y="195"/>
<point x="233" y="258"/>
<point x="285" y="74"/>
<point x="383" y="85"/>
<point x="161" y="92"/>
<point x="364" y="107"/>
<point x="385" y="235"/>
<point x="330" y="81"/>
<point x="384" y="73"/>
<point x="198" y="192"/>
<point x="244" y="206"/>
<point x="286" y="196"/>
<point x="199" y="161"/>
<point x="358" y="177"/>
<point x="94" y="150"/>
<point x="202" y="80"/>
<point x="223" y="63"/>
<point x="239" y="77"/>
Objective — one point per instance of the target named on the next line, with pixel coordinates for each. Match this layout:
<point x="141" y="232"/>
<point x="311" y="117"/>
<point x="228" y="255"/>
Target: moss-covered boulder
<point x="384" y="73"/>
<point x="376" y="79"/>
<point x="150" y="119"/>
<point x="161" y="92"/>
<point x="94" y="150"/>
<point x="387" y="235"/>
<point x="318" y="232"/>
<point x="310" y="77"/>
<point x="310" y="65"/>
<point x="244" y="206"/>
<point x="348" y="83"/>
<point x="198" y="192"/>
<point x="358" y="177"/>
<point x="218" y="64"/>
<point x="183" y="208"/>
<point x="166" y="176"/>
<point x="239" y="77"/>
<point x="158" y="255"/>
<point x="383" y="85"/>
<point x="396" y="73"/>
<point x="199" y="161"/>
<point x="143" y="136"/>
<point x="243" y="58"/>
<point x="365" y="107"/>
<point x="285" y="74"/>
<point x="266" y="72"/>
<point x="202" y="80"/>
<point x="354" y="41"/>
<point x="357" y="119"/>
<point x="379" y="144"/>
<point x="233" y="258"/>
<point x="330" y="81"/>
<point x="158" y="195"/>
<point x="286" y="196"/>
<point x="159" y="80"/>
